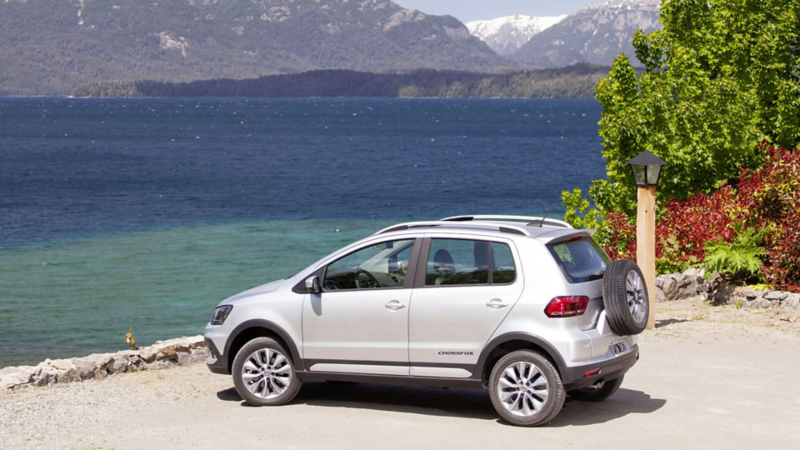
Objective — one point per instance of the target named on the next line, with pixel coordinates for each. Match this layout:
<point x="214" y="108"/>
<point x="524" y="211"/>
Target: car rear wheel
<point x="526" y="389"/>
<point x="598" y="393"/>
<point x="625" y="298"/>
<point x="264" y="374"/>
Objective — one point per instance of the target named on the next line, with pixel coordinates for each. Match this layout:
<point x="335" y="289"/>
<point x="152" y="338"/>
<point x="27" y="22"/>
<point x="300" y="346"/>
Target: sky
<point x="468" y="10"/>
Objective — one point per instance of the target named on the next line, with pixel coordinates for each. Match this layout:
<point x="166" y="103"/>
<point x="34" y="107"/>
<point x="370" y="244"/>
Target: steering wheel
<point x="330" y="285"/>
<point x="369" y="282"/>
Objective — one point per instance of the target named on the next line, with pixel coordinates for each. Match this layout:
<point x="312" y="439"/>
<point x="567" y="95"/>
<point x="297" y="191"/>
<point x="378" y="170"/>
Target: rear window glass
<point x="582" y="260"/>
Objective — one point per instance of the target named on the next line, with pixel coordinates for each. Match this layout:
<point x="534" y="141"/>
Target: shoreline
<point x="184" y="351"/>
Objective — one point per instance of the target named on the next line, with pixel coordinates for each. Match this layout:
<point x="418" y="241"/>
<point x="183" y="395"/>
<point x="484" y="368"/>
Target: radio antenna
<point x="540" y="222"/>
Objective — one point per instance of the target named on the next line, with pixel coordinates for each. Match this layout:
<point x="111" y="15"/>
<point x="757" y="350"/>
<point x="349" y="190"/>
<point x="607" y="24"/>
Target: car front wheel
<point x="526" y="389"/>
<point x="264" y="374"/>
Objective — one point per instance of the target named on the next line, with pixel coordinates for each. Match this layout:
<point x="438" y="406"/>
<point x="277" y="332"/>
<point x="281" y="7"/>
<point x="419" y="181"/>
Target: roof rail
<point x="528" y="219"/>
<point x="514" y="229"/>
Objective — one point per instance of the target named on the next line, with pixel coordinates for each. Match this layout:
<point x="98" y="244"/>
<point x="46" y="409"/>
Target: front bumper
<point x="216" y="363"/>
<point x="573" y="377"/>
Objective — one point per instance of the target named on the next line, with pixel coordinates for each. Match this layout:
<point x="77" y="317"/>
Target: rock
<point x="68" y="376"/>
<point x="200" y="341"/>
<point x="147" y="355"/>
<point x="791" y="301"/>
<point x="167" y="353"/>
<point x="670" y="288"/>
<point x="660" y="282"/>
<point x="723" y="293"/>
<point x="100" y="360"/>
<point x="61" y="364"/>
<point x="187" y="359"/>
<point x="44" y="375"/>
<point x="15" y="377"/>
<point x="682" y="280"/>
<point x="763" y="304"/>
<point x="660" y="297"/>
<point x="100" y="375"/>
<point x="159" y="365"/>
<point x="750" y="293"/>
<point x="701" y="288"/>
<point x="775" y="295"/>
<point x="694" y="275"/>
<point x="85" y="369"/>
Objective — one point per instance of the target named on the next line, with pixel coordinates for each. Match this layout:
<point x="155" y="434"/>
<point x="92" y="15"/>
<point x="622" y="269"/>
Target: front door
<point x="469" y="287"/>
<point x="359" y="323"/>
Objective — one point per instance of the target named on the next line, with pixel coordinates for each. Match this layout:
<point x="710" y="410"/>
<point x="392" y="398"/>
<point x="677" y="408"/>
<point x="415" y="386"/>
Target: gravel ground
<point x="708" y="378"/>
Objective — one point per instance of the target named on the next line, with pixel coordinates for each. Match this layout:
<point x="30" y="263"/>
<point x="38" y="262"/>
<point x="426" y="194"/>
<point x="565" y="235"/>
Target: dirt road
<point x="706" y="379"/>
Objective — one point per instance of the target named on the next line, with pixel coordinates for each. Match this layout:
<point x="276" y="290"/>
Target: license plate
<point x="618" y="348"/>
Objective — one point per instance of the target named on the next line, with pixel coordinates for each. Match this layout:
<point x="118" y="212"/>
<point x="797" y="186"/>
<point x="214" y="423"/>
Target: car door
<point x="359" y="322"/>
<point x="459" y="300"/>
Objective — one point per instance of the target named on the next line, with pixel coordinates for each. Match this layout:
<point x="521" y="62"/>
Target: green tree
<point x="720" y="78"/>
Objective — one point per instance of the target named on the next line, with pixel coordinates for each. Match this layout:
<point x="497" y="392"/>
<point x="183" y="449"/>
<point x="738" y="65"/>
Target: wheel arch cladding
<point x="252" y="329"/>
<point x="507" y="343"/>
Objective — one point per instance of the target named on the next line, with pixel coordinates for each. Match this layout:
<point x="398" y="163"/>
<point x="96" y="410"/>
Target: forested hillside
<point x="571" y="82"/>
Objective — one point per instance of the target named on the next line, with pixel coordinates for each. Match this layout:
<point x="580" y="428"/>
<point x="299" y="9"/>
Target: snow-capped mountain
<point x="505" y="35"/>
<point x="594" y="34"/>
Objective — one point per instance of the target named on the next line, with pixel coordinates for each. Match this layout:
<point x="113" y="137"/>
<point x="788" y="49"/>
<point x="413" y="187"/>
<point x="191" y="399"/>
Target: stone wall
<point x="692" y="283"/>
<point x="161" y="355"/>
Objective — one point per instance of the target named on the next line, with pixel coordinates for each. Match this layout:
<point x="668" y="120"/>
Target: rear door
<point x="463" y="290"/>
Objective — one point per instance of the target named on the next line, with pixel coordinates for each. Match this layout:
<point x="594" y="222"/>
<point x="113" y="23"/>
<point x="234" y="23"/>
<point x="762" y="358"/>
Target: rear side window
<point x="503" y="271"/>
<point x="581" y="260"/>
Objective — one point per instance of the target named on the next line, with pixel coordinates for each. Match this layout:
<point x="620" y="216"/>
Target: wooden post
<point x="646" y="245"/>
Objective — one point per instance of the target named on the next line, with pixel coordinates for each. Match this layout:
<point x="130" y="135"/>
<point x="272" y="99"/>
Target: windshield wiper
<point x="596" y="276"/>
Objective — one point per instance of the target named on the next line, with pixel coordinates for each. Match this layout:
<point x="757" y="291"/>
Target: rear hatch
<point x="583" y="263"/>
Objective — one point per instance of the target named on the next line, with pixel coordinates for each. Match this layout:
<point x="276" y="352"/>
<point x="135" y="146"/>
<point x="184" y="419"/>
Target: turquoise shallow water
<point x="79" y="297"/>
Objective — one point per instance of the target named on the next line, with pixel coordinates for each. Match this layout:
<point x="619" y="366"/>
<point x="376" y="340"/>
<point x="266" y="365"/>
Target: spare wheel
<point x="625" y="297"/>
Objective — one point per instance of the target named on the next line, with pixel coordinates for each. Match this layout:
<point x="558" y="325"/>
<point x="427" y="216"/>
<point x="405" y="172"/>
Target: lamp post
<point x="646" y="169"/>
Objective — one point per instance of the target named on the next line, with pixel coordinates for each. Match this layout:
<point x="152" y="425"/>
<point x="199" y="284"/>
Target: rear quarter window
<point x="581" y="260"/>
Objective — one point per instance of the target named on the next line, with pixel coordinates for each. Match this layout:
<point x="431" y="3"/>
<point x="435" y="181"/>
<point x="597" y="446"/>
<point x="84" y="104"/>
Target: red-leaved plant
<point x="767" y="198"/>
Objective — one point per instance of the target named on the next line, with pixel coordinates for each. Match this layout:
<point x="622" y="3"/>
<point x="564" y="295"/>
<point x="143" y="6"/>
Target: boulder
<point x="85" y="369"/>
<point x="101" y="361"/>
<point x="196" y="341"/>
<point x="791" y="301"/>
<point x="775" y="295"/>
<point x="660" y="297"/>
<point x="750" y="293"/>
<point x="14" y="377"/>
<point x="682" y="280"/>
<point x="670" y="288"/>
<point x="704" y="287"/>
<point x="660" y="282"/>
<point x="44" y="374"/>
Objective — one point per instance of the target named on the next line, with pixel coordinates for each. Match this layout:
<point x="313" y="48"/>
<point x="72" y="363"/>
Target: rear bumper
<point x="573" y="377"/>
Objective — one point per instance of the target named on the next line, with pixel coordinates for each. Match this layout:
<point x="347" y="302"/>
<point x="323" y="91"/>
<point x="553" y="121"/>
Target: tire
<point x="599" y="394"/>
<point x="625" y="298"/>
<point x="535" y="407"/>
<point x="264" y="374"/>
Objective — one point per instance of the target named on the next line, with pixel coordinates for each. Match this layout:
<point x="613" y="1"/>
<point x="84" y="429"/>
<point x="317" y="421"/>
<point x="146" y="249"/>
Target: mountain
<point x="594" y="34"/>
<point x="505" y="35"/>
<point x="50" y="47"/>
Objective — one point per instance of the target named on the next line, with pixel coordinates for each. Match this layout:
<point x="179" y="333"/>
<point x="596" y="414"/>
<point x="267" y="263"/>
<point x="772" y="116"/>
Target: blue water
<point x="146" y="213"/>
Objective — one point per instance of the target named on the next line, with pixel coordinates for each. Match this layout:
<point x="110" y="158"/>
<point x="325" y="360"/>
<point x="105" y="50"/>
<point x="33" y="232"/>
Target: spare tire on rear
<point x="625" y="297"/>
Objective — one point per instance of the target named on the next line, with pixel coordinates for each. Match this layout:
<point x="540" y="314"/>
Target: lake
<point x="148" y="212"/>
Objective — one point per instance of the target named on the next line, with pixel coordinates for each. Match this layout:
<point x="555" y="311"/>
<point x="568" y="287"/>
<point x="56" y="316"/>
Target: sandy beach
<point x="709" y="377"/>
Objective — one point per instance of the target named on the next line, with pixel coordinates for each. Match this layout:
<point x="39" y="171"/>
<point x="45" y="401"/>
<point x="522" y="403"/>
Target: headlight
<point x="220" y="314"/>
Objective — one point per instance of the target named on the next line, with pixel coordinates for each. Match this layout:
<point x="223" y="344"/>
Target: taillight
<point x="568" y="306"/>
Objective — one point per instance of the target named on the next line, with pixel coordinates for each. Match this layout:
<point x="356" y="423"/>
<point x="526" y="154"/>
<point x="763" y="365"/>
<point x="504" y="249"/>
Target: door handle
<point x="394" y="305"/>
<point x="496" y="303"/>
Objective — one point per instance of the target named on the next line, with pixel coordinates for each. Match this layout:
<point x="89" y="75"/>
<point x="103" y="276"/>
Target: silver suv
<point x="527" y="307"/>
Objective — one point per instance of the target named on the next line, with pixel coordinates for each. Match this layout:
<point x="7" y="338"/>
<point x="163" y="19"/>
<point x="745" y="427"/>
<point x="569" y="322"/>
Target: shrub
<point x="755" y="221"/>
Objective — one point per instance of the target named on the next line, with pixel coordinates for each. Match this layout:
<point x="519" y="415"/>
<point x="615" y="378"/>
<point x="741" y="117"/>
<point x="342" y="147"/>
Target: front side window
<point x="378" y="266"/>
<point x="581" y="260"/>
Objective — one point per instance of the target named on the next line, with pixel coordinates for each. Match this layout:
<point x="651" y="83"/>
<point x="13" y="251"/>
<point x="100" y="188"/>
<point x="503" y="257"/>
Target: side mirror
<point x="312" y="284"/>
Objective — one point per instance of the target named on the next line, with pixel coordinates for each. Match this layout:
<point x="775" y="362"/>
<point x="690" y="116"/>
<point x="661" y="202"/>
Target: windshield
<point x="581" y="260"/>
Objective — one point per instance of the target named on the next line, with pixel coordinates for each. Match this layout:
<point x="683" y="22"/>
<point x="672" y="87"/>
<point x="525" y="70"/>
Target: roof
<point x="520" y="225"/>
